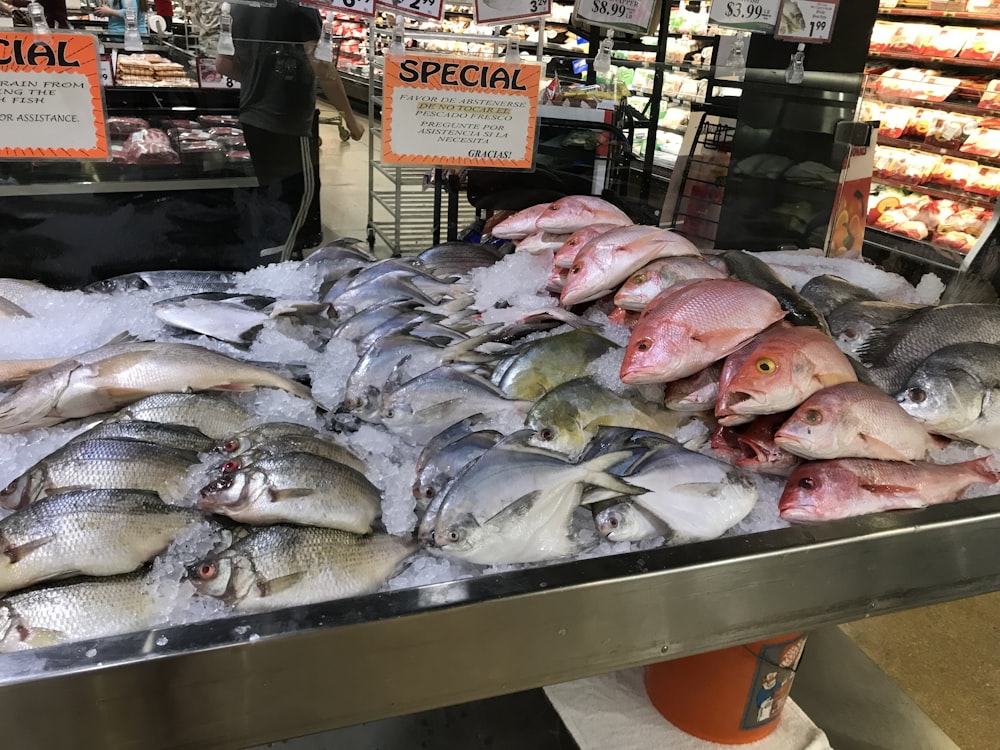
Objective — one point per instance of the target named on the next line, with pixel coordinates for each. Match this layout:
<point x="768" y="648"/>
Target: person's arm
<point x="107" y="10"/>
<point x="228" y="66"/>
<point x="333" y="89"/>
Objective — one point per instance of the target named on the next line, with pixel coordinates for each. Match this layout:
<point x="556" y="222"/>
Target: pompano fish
<point x="853" y="323"/>
<point x="689" y="326"/>
<point x="627" y="522"/>
<point x="241" y="442"/>
<point x="81" y="610"/>
<point x="215" y="415"/>
<point x="521" y="224"/>
<point x="894" y="351"/>
<point x="457" y="258"/>
<point x="695" y="496"/>
<point x="314" y="444"/>
<point x="568" y="416"/>
<point x="101" y="464"/>
<point x="798" y="309"/>
<point x="388" y="288"/>
<point x="642" y="286"/>
<point x="436" y="471"/>
<point x="778" y="370"/>
<point x="357" y="326"/>
<point x="337" y="259"/>
<point x="697" y="392"/>
<point x="119" y="374"/>
<point x="578" y="211"/>
<point x="295" y="488"/>
<point x="414" y="324"/>
<point x="956" y="392"/>
<point x="828" y="292"/>
<point x="205" y="281"/>
<point x="575" y="242"/>
<point x="176" y="436"/>
<point x="853" y="420"/>
<point x="826" y="490"/>
<point x="606" y="261"/>
<point x="89" y="532"/>
<point x="422" y="407"/>
<point x="287" y="566"/>
<point x="539" y="366"/>
<point x="540" y="241"/>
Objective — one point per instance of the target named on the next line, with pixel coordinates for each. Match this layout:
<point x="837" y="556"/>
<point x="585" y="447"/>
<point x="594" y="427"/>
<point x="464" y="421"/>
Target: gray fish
<point x="241" y="442"/>
<point x="893" y="352"/>
<point x="206" y="281"/>
<point x="90" y="532"/>
<point x="828" y="292"/>
<point x="956" y="392"/>
<point x="295" y="488"/>
<point x="337" y="259"/>
<point x="84" y="609"/>
<point x="423" y="406"/>
<point x="697" y="392"/>
<point x="215" y="415"/>
<point x="435" y="472"/>
<point x="357" y="326"/>
<point x="176" y="436"/>
<point x="388" y="288"/>
<point x="627" y="522"/>
<point x="288" y="566"/>
<point x="457" y="258"/>
<point x="414" y="324"/>
<point x="315" y="444"/>
<point x="798" y="309"/>
<point x="234" y="318"/>
<point x="852" y="323"/>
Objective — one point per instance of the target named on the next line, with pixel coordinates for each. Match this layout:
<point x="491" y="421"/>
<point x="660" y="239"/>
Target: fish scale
<point x="215" y="415"/>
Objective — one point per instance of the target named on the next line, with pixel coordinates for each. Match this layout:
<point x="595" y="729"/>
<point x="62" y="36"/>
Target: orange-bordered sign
<point x="51" y="101"/>
<point x="459" y="112"/>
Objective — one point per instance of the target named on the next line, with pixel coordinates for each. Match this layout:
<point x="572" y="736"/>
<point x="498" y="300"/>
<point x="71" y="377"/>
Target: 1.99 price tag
<point x="433" y="9"/>
<point x="627" y="15"/>
<point x="807" y="20"/>
<point x="760" y="16"/>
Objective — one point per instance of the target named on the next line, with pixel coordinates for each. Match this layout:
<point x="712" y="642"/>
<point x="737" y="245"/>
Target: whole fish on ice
<point x="213" y="414"/>
<point x="578" y="211"/>
<point x="646" y="283"/>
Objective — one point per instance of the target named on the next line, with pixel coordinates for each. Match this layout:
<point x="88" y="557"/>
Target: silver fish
<point x="457" y="258"/>
<point x="414" y="324"/>
<point x="215" y="415"/>
<point x="295" y="488"/>
<point x="205" y="281"/>
<point x="81" y="610"/>
<point x="435" y="472"/>
<point x="101" y="464"/>
<point x="852" y="323"/>
<point x="315" y="444"/>
<point x="250" y="438"/>
<point x="335" y="260"/>
<point x="89" y="532"/>
<point x="287" y="566"/>
<point x="10" y="310"/>
<point x="176" y="436"/>
<point x="627" y="522"/>
<point x="389" y="288"/>
<point x="357" y="326"/>
<point x="828" y="292"/>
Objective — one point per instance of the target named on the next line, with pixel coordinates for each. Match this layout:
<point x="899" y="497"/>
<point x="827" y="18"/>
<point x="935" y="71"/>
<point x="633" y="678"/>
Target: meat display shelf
<point x="965" y="108"/>
<point x="252" y="679"/>
<point x="922" y="146"/>
<point x="953" y="61"/>
<point x="934" y="191"/>
<point x="971" y="15"/>
<point x="924" y="252"/>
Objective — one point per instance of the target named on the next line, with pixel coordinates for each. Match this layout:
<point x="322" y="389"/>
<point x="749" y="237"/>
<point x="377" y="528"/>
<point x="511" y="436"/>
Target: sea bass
<point x="828" y="292"/>
<point x="827" y="490"/>
<point x="853" y="323"/>
<point x="646" y="283"/>
<point x="160" y="433"/>
<point x="688" y="327"/>
<point x="798" y="310"/>
<point x="853" y="420"/>
<point x="578" y="211"/>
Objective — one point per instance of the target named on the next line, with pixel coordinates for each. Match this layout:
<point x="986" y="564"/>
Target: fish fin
<point x="290" y="493"/>
<point x="465" y="351"/>
<point x="237" y="387"/>
<point x="272" y="586"/>
<point x="517" y="509"/>
<point x="18" y="552"/>
<point x="396" y="378"/>
<point x="828" y="379"/>
<point x="881" y="338"/>
<point x="887" y="489"/>
<point x="41" y="637"/>
<point x="597" y="475"/>
<point x="889" y="453"/>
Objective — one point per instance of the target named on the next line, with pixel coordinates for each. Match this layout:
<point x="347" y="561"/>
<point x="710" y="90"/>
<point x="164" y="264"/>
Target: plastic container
<point x="732" y="696"/>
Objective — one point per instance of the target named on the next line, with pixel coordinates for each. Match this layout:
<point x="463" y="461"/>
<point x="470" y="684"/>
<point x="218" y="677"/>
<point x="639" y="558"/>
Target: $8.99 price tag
<point x="627" y="15"/>
<point x="760" y="16"/>
<point x="807" y="20"/>
<point x="420" y="8"/>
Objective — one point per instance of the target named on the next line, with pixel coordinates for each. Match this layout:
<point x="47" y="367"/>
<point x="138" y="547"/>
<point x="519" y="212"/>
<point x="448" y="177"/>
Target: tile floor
<point x="946" y="657"/>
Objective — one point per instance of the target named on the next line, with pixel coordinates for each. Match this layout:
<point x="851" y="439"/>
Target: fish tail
<point x="465" y="351"/>
<point x="983" y="468"/>
<point x="597" y="474"/>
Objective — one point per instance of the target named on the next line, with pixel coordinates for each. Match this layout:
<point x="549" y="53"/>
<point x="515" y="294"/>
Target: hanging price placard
<point x="807" y="20"/>
<point x="359" y="8"/>
<point x="760" y="17"/>
<point x="433" y="9"/>
<point x="498" y="11"/>
<point x="210" y="78"/>
<point x="631" y="16"/>
<point x="107" y="72"/>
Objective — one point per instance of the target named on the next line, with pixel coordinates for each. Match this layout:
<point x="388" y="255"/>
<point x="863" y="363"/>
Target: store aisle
<point x="344" y="178"/>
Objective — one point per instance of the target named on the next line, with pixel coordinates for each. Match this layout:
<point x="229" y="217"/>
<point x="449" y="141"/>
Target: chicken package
<point x="882" y="34"/>
<point x="952" y="172"/>
<point x="895" y="120"/>
<point x="946" y="41"/>
<point x="984" y="140"/>
<point x="990" y="98"/>
<point x="985" y="181"/>
<point x="969" y="220"/>
<point x="959" y="241"/>
<point x="984" y="45"/>
<point x="907" y="38"/>
<point x="950" y="130"/>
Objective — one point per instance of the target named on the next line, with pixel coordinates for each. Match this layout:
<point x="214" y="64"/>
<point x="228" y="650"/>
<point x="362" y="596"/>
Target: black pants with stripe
<point x="287" y="167"/>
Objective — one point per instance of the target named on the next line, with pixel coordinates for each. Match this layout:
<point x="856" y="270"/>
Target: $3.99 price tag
<point x="760" y="16"/>
<point x="627" y="15"/>
<point x="499" y="11"/>
<point x="433" y="9"/>
<point x="807" y="20"/>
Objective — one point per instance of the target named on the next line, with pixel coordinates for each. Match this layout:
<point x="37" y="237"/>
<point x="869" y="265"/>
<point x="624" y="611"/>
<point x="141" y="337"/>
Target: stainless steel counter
<point x="248" y="680"/>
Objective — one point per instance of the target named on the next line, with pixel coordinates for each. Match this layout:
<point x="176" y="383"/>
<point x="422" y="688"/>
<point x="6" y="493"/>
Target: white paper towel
<point x="612" y="712"/>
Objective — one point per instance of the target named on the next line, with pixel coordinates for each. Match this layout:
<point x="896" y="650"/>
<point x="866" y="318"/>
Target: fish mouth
<point x="728" y="402"/>
<point x="641" y="375"/>
<point x="791" y="511"/>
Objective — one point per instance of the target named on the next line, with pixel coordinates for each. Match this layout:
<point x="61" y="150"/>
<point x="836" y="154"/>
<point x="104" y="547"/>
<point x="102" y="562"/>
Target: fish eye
<point x="813" y="416"/>
<point x="576" y="269"/>
<point x="389" y="413"/>
<point x="917" y="395"/>
<point x="207" y="571"/>
<point x="639" y="278"/>
<point x="850" y="333"/>
<point x="230" y="446"/>
<point x="429" y="493"/>
<point x="766" y="365"/>
<point x="546" y="434"/>
<point x="644" y="345"/>
<point x="808" y="483"/>
<point x="454" y="535"/>
<point x="613" y="522"/>
<point x="9" y="489"/>
<point x="230" y="466"/>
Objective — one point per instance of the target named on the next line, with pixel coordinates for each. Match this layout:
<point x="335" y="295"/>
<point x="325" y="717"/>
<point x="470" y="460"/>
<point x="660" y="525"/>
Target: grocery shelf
<point x="922" y="146"/>
<point x="253" y="679"/>
<point x="935" y="191"/>
<point x="953" y="61"/>
<point x="921" y="250"/>
<point x="965" y="108"/>
<point x="941" y="14"/>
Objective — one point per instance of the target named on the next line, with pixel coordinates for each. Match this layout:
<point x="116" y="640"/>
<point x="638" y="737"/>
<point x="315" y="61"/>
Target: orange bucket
<point x="730" y="696"/>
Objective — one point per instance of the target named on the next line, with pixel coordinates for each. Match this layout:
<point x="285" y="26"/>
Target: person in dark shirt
<point x="278" y="72"/>
<point x="55" y="11"/>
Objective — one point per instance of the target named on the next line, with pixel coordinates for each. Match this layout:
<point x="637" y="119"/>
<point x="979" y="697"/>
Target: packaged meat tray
<point x="238" y="156"/>
<point x="179" y="125"/>
<point x="199" y="147"/>
<point x="217" y="131"/>
<point x="984" y="45"/>
<point x="985" y="181"/>
<point x="179" y="134"/>
<point x="956" y="173"/>
<point x="232" y="142"/>
<point x="882" y="33"/>
<point x="946" y="41"/>
<point x="984" y="140"/>
<point x="991" y="96"/>
<point x="122" y="127"/>
<point x="895" y="121"/>
<point x="950" y="130"/>
<point x="150" y="146"/>
<point x="909" y="38"/>
<point x="218" y="121"/>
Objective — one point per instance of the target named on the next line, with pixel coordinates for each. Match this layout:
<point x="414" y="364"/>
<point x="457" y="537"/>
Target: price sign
<point x="631" y="16"/>
<point x="807" y="20"/>
<point x="433" y="9"/>
<point x="360" y="8"/>
<point x="107" y="72"/>
<point x="760" y="16"/>
<point x="210" y="78"/>
<point x="500" y="11"/>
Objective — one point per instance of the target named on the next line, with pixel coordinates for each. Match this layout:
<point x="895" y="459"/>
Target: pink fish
<point x="752" y="446"/>
<point x="640" y="288"/>
<point x="540" y="241"/>
<point x="825" y="490"/>
<point x="578" y="211"/>
<point x="521" y="224"/>
<point x="566" y="254"/>
<point x="606" y="261"/>
<point x="779" y="370"/>
<point x="854" y="420"/>
<point x="620" y="317"/>
<point x="689" y="326"/>
<point x="697" y="392"/>
<point x="556" y="280"/>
